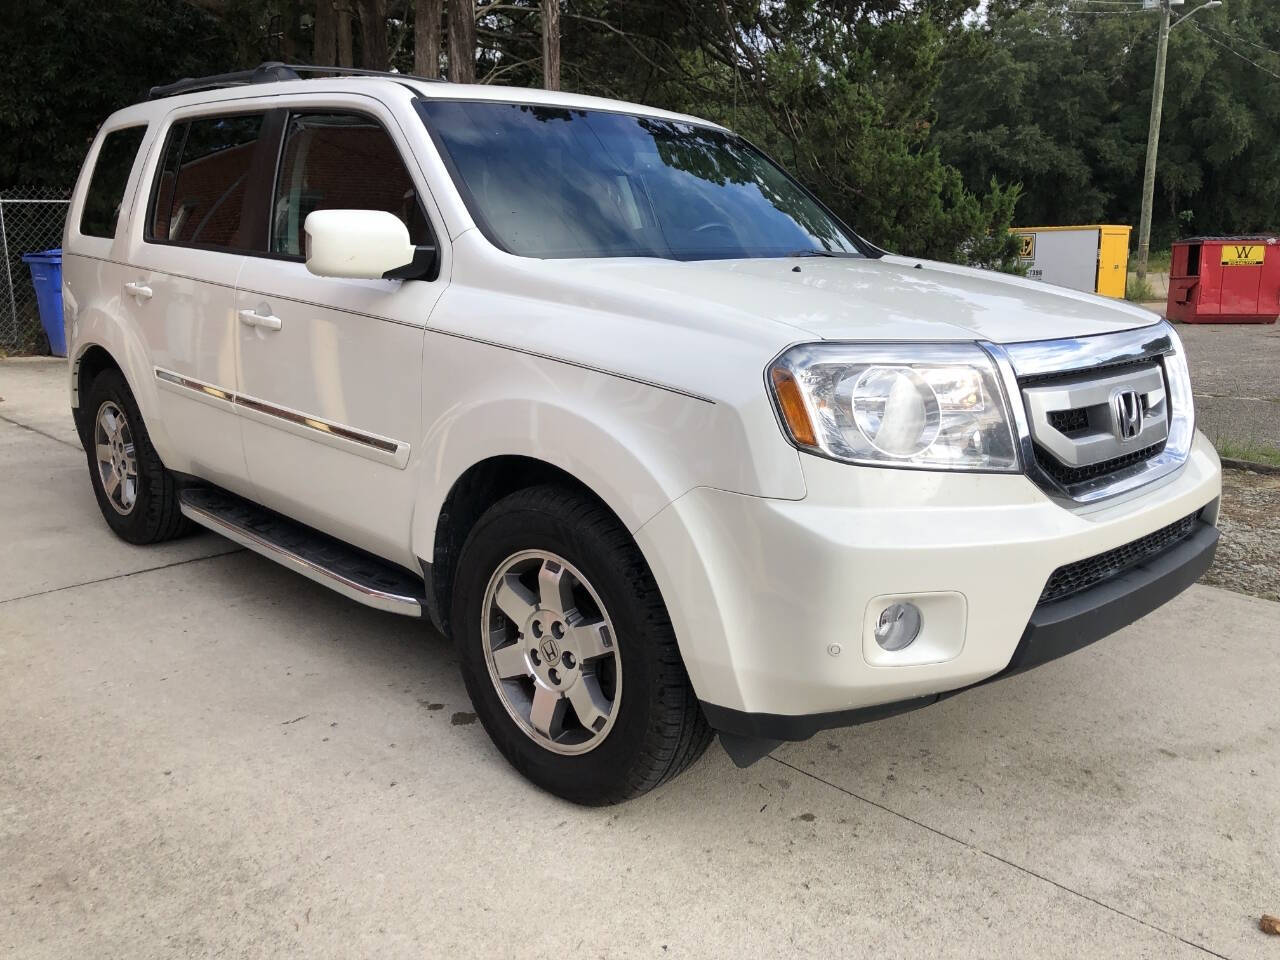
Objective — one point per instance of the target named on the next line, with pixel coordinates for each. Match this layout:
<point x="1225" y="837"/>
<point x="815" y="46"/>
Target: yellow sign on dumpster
<point x="1242" y="254"/>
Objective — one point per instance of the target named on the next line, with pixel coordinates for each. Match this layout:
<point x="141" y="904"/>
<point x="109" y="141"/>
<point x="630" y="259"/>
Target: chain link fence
<point x="31" y="220"/>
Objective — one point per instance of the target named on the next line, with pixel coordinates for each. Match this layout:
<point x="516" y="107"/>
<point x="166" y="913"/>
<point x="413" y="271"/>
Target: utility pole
<point x="1153" y="128"/>
<point x="1153" y="142"/>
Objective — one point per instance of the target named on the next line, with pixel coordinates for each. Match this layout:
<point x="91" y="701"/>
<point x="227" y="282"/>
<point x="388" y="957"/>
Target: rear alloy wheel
<point x="138" y="497"/>
<point x="567" y="650"/>
<point x="116" y="456"/>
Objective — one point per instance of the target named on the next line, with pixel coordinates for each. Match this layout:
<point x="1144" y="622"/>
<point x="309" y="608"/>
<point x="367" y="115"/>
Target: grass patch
<point x="1249" y="450"/>
<point x="1158" y="261"/>
<point x="1139" y="291"/>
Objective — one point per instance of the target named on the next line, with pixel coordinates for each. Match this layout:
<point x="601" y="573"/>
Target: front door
<point x="330" y="369"/>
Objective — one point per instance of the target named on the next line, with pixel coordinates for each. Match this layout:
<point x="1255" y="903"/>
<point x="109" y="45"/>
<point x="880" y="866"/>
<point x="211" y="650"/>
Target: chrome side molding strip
<point x="371" y="446"/>
<point x="381" y="449"/>
<point x="187" y="386"/>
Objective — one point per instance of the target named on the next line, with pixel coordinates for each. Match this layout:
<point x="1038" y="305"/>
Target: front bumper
<point x="1055" y="629"/>
<point x="772" y="600"/>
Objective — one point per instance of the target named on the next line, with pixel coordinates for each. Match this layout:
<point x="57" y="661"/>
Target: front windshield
<point x="552" y="182"/>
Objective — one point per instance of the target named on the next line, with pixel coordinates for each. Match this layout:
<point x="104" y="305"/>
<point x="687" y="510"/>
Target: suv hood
<point x="891" y="298"/>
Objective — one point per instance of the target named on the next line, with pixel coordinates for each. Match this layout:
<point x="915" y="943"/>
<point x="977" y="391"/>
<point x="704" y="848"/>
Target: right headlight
<point x="928" y="406"/>
<point x="1182" y="423"/>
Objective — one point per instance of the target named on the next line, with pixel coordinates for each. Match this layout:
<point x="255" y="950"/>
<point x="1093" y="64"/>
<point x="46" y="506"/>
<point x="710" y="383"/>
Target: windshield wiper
<point x="838" y="254"/>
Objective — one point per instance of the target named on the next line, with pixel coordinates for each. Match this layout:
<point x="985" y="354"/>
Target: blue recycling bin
<point x="46" y="277"/>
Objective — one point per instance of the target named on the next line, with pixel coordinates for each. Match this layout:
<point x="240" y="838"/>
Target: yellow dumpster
<point x="1091" y="257"/>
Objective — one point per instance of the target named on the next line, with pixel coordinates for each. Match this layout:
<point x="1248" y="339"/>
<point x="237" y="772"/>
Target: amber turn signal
<point x="791" y="403"/>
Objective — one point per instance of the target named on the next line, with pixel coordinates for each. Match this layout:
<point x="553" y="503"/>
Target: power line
<point x="1063" y="8"/>
<point x="1235" y="51"/>
<point x="1077" y="12"/>
<point x="1235" y="36"/>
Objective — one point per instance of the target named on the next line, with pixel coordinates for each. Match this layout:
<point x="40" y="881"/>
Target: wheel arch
<point x="480" y="486"/>
<point x="610" y="439"/>
<point x="102" y="340"/>
<point x="89" y="362"/>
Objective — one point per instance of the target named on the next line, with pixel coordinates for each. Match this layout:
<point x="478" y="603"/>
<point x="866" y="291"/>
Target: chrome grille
<point x="1099" y="415"/>
<point x="1087" y="402"/>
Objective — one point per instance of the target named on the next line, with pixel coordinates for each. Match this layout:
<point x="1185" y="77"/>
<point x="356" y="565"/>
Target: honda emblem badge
<point x="1126" y="414"/>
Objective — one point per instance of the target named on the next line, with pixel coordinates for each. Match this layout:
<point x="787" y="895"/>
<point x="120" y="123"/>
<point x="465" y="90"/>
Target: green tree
<point x="840" y="91"/>
<point x="65" y="65"/>
<point x="1219" y="151"/>
<point x="1056" y="97"/>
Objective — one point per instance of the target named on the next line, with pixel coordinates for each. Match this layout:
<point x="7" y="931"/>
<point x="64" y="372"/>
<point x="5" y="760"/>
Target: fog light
<point x="898" y="626"/>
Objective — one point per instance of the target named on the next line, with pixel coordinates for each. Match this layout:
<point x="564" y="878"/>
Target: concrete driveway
<point x="203" y="755"/>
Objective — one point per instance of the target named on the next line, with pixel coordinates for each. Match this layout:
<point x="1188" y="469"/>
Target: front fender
<point x="636" y="465"/>
<point x="636" y="445"/>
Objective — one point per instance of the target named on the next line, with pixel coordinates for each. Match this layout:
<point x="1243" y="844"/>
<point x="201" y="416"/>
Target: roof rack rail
<point x="263" y="73"/>
<point x="356" y="72"/>
<point x="270" y="72"/>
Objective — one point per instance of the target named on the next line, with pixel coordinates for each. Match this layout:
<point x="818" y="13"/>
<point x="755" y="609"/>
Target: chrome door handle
<point x="251" y="318"/>
<point x="139" y="290"/>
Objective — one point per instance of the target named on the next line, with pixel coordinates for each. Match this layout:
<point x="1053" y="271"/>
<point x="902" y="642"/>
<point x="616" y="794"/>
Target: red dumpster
<point x="1225" y="280"/>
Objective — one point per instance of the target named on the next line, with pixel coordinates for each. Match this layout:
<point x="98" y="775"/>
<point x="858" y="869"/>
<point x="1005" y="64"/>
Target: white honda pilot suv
<point x="606" y="395"/>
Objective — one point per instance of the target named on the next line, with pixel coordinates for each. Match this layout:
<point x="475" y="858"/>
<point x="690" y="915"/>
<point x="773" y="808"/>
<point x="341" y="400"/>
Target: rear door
<point x="330" y="369"/>
<point x="186" y="251"/>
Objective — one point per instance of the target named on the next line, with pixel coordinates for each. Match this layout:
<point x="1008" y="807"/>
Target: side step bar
<point x="339" y="566"/>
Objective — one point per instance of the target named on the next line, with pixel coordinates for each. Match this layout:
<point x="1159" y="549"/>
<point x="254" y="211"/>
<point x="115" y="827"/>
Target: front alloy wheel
<point x="551" y="652"/>
<point x="553" y="608"/>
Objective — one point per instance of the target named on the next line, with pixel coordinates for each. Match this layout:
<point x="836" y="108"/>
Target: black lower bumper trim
<point x="779" y="726"/>
<point x="1064" y="626"/>
<point x="1055" y="629"/>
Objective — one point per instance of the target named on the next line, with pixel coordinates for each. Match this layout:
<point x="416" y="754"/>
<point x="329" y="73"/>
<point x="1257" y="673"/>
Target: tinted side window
<point x="336" y="161"/>
<point x="199" y="193"/>
<point x="106" y="186"/>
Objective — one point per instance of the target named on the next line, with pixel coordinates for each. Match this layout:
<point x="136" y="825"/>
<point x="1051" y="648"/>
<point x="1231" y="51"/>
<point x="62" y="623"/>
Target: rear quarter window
<point x="102" y="202"/>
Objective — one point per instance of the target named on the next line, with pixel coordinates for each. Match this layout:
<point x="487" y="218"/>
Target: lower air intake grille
<point x="1091" y="571"/>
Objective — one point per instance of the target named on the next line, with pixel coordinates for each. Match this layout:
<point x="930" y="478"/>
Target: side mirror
<point x="363" y="244"/>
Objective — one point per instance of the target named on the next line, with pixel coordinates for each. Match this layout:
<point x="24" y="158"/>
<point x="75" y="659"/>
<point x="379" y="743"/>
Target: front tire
<point x="568" y="653"/>
<point x="138" y="497"/>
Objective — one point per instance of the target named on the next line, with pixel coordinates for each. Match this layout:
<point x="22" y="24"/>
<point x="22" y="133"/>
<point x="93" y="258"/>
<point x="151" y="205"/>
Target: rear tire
<point x="609" y="688"/>
<point x="138" y="497"/>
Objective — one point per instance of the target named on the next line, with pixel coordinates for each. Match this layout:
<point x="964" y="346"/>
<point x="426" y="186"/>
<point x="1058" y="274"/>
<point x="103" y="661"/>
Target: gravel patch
<point x="1248" y="558"/>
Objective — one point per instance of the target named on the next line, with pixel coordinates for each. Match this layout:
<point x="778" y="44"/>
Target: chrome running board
<point x="328" y="561"/>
